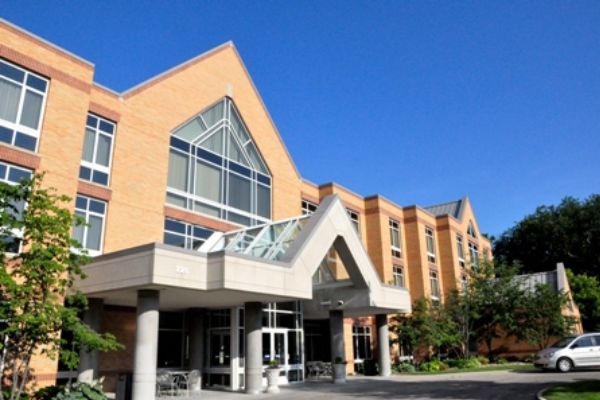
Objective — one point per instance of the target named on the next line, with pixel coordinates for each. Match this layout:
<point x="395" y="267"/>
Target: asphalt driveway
<point x="511" y="385"/>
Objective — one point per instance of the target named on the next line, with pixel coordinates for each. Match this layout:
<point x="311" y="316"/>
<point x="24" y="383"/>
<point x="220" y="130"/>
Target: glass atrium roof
<point x="269" y="241"/>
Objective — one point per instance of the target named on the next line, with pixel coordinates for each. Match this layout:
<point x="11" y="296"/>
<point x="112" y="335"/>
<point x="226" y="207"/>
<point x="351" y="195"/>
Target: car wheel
<point x="564" y="364"/>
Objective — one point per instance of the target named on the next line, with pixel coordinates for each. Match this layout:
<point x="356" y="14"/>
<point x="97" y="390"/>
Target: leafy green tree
<point x="586" y="293"/>
<point x="569" y="233"/>
<point x="493" y="294"/>
<point x="540" y="316"/>
<point x="35" y="281"/>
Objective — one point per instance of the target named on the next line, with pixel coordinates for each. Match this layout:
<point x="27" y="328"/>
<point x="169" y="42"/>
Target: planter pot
<point x="273" y="380"/>
<point x="339" y="373"/>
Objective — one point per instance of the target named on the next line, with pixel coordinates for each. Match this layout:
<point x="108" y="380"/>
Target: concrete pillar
<point x="383" y="340"/>
<point x="336" y="329"/>
<point x="89" y="360"/>
<point x="253" y="347"/>
<point x="196" y="318"/>
<point x="146" y="345"/>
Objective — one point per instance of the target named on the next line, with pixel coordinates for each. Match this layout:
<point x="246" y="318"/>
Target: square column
<point x="383" y="345"/>
<point x="196" y="327"/>
<point x="336" y="329"/>
<point x="146" y="345"/>
<point x="253" y="347"/>
<point x="89" y="359"/>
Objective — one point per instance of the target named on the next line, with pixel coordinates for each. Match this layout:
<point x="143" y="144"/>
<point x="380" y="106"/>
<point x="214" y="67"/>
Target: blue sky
<point x="422" y="102"/>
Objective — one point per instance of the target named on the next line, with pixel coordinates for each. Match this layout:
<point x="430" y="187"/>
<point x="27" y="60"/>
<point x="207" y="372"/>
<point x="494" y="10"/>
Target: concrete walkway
<point x="511" y="385"/>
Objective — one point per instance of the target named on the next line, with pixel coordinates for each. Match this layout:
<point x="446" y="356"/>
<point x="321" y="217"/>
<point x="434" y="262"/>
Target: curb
<point x="540" y="394"/>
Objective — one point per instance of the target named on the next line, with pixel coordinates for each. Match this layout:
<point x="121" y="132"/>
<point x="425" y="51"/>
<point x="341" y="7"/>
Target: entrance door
<point x="219" y="358"/>
<point x="275" y="347"/>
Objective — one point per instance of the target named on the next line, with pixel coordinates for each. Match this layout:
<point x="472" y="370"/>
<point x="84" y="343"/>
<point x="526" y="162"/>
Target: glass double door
<point x="283" y="346"/>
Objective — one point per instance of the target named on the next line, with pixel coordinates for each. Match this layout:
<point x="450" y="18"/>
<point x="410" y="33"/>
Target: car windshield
<point x="563" y="342"/>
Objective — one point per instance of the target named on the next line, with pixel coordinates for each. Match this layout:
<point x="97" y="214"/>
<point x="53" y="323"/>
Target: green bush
<point x="472" y="362"/>
<point x="82" y="391"/>
<point x="483" y="360"/>
<point x="431" y="366"/>
<point x="502" y="360"/>
<point x="404" y="367"/>
<point x="48" y="393"/>
<point x="461" y="363"/>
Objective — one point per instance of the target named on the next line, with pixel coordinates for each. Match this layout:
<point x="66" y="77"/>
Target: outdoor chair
<point x="166" y="383"/>
<point x="191" y="382"/>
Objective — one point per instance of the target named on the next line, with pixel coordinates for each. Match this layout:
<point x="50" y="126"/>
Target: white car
<point x="571" y="352"/>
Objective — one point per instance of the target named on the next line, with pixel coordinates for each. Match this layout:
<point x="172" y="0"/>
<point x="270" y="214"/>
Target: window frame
<point x="398" y="276"/>
<point x="87" y="212"/>
<point x="188" y="236"/>
<point x="355" y="219"/>
<point x="308" y="207"/>
<point x="473" y="248"/>
<point x="16" y="127"/>
<point x="93" y="165"/>
<point x="434" y="277"/>
<point x="460" y="250"/>
<point x="16" y="233"/>
<point x="430" y="244"/>
<point x="394" y="228"/>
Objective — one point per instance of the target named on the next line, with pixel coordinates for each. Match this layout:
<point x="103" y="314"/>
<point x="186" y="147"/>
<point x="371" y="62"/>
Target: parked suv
<point x="571" y="352"/>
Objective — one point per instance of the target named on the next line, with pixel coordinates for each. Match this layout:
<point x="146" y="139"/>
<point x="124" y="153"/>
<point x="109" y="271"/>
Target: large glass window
<point x="90" y="236"/>
<point x="97" y="150"/>
<point x="395" y="238"/>
<point x="215" y="168"/>
<point x="22" y="99"/>
<point x="361" y="346"/>
<point x="429" y="238"/>
<point x="182" y="234"/>
<point x="12" y="175"/>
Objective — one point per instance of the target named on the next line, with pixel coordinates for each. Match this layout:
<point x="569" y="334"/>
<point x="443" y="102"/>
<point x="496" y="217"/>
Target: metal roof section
<point x="267" y="263"/>
<point x="452" y="208"/>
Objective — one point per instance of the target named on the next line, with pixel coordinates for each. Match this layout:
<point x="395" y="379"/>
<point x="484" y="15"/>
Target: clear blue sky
<point x="422" y="102"/>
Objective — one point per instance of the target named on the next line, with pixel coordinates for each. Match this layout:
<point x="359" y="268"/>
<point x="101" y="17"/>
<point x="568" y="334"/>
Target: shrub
<point x="443" y="366"/>
<point x="404" y="367"/>
<point x="82" y="391"/>
<point x="512" y="359"/>
<point x="48" y="393"/>
<point x="527" y="359"/>
<point x="502" y="360"/>
<point x="472" y="362"/>
<point x="483" y="360"/>
<point x="431" y="366"/>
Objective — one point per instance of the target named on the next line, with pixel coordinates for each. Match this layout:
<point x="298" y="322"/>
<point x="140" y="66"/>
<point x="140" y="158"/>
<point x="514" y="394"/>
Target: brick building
<point x="205" y="235"/>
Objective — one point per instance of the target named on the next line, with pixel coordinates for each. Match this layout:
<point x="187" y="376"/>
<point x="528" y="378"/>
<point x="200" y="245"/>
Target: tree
<point x="540" y="316"/>
<point x="492" y="296"/>
<point x="569" y="233"/>
<point x="35" y="280"/>
<point x="586" y="293"/>
<point x="427" y="328"/>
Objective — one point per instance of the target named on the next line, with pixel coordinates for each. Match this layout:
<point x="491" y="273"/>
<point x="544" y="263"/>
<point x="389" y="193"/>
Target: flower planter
<point x="273" y="380"/>
<point x="339" y="373"/>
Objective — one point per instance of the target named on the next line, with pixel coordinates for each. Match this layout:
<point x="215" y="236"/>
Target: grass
<point x="493" y="367"/>
<point x="582" y="390"/>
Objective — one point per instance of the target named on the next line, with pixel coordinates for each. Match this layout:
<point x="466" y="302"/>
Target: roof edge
<point x="47" y="43"/>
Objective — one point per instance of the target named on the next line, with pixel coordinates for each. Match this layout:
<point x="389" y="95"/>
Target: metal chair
<point x="165" y="382"/>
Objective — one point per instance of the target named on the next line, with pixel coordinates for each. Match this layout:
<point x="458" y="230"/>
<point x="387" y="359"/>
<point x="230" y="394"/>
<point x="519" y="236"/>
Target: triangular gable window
<point x="220" y="141"/>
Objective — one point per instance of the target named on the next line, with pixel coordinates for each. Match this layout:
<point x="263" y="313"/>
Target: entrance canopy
<point x="268" y="263"/>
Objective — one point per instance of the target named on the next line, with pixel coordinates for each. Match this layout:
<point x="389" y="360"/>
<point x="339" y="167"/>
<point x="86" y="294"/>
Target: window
<point x="460" y="251"/>
<point x="171" y="338"/>
<point x="435" y="285"/>
<point x="215" y="168"/>
<point x="12" y="175"/>
<point x="464" y="281"/>
<point x="398" y="276"/>
<point x="395" y="238"/>
<point x="353" y="215"/>
<point x="361" y="346"/>
<point x="97" y="150"/>
<point x="430" y="245"/>
<point x="585" y="341"/>
<point x="308" y="207"/>
<point x="182" y="234"/>
<point x="471" y="230"/>
<point x="91" y="235"/>
<point x="22" y="99"/>
<point x="474" y="254"/>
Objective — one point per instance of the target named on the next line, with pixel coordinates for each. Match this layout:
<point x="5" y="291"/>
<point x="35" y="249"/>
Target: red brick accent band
<point x="92" y="190"/>
<point x="104" y="112"/>
<point x="43" y="69"/>
<point x="19" y="157"/>
<point x="194" y="218"/>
